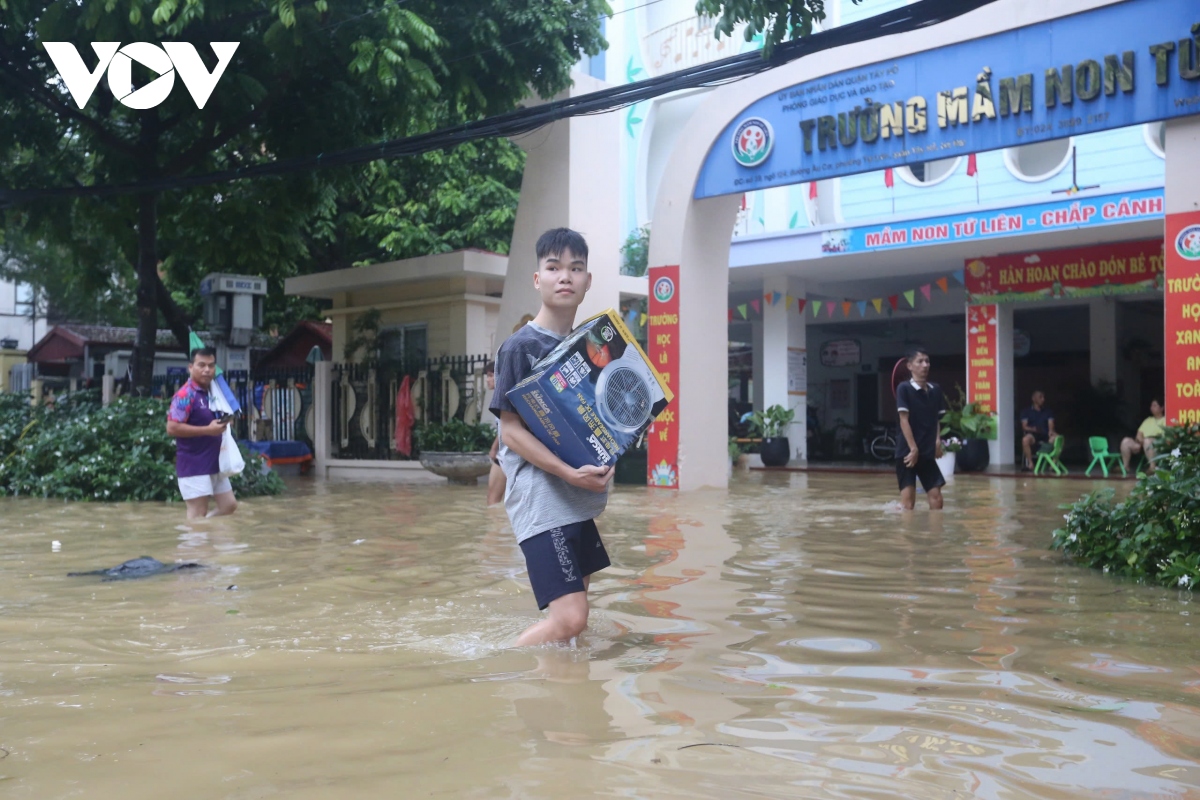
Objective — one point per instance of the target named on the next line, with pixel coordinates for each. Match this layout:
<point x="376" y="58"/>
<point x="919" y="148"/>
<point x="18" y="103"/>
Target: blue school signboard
<point x="1087" y="212"/>
<point x="1123" y="64"/>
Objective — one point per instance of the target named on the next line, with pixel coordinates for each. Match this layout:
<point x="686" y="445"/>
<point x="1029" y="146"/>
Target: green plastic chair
<point x="1050" y="459"/>
<point x="1101" y="456"/>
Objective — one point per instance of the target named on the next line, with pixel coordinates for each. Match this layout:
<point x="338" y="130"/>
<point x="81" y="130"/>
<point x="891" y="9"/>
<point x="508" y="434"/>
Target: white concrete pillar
<point x="756" y="372"/>
<point x="107" y="389"/>
<point x="1102" y="335"/>
<point x="783" y="344"/>
<point x="1002" y="450"/>
<point x="322" y="414"/>
<point x="571" y="180"/>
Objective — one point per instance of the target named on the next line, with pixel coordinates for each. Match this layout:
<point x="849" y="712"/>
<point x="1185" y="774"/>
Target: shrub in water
<point x="80" y="450"/>
<point x="1154" y="534"/>
<point x="454" y="436"/>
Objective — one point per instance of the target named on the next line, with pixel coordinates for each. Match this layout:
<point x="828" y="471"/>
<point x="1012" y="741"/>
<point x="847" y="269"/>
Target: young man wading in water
<point x="921" y="406"/>
<point x="198" y="435"/>
<point x="552" y="506"/>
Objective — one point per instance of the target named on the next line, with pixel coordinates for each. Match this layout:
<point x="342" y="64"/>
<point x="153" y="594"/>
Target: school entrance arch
<point x="820" y="130"/>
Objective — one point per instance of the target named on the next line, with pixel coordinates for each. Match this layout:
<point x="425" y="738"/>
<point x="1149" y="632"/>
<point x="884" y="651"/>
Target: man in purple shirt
<point x="198" y="433"/>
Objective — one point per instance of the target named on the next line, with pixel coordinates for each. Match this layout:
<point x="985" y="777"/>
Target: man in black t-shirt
<point x="1037" y="428"/>
<point x="921" y="407"/>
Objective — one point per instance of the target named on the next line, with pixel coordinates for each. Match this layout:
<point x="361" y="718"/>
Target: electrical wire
<point x="919" y="15"/>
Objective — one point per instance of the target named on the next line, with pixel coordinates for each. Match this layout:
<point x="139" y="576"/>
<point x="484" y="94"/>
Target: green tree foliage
<point x="79" y="450"/>
<point x="774" y="20"/>
<point x="1154" y="533"/>
<point x="308" y="77"/>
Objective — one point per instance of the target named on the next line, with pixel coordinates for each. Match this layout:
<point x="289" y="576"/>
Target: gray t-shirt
<point x="535" y="500"/>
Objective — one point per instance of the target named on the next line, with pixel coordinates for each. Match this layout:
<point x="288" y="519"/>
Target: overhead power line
<point x="524" y="120"/>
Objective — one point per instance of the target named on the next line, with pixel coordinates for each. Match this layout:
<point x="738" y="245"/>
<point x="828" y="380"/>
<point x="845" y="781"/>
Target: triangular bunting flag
<point x="888" y="180"/>
<point x="812" y="190"/>
<point x="742" y="310"/>
<point x="755" y="305"/>
<point x="829" y="309"/>
<point x="642" y="320"/>
<point x="816" y="304"/>
<point x="943" y="284"/>
<point x="846" y="308"/>
<point x="802" y="303"/>
<point x="911" y="297"/>
<point x="731" y="315"/>
<point x="787" y="301"/>
<point x="775" y="298"/>
<point x="878" y="303"/>
<point x="972" y="166"/>
<point x="893" y="301"/>
<point x="767" y="299"/>
<point x="925" y="290"/>
<point x="862" y="308"/>
<point x="960" y="276"/>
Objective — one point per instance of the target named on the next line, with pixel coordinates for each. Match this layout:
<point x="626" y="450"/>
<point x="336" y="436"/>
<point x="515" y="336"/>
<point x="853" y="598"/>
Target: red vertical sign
<point x="981" y="357"/>
<point x="1182" y="318"/>
<point x="663" y="335"/>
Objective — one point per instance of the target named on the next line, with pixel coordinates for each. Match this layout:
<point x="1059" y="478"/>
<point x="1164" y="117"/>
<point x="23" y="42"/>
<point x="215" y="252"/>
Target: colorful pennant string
<point x="830" y="307"/>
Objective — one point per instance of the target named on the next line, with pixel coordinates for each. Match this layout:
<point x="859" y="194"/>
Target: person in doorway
<point x="552" y="506"/>
<point x="197" y="431"/>
<point x="921" y="407"/>
<point x="496" y="480"/>
<point x="1037" y="428"/>
<point x="1147" y="433"/>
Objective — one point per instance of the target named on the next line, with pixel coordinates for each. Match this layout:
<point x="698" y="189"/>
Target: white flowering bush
<point x="1154" y="534"/>
<point x="79" y="450"/>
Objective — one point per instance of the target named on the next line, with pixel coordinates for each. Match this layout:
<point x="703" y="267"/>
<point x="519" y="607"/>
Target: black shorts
<point x="559" y="559"/>
<point x="926" y="469"/>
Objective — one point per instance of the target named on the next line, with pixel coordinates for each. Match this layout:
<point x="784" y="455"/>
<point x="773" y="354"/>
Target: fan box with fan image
<point x="592" y="397"/>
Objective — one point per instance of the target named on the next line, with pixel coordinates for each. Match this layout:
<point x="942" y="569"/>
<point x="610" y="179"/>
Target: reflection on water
<point x="794" y="637"/>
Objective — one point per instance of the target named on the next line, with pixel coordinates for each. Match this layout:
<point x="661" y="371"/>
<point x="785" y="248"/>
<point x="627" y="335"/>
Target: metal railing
<point x="363" y="401"/>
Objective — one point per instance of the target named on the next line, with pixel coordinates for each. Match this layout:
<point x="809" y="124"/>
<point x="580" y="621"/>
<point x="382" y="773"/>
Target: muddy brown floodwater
<point x="793" y="637"/>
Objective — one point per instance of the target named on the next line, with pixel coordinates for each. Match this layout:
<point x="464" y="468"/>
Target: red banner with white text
<point x="662" y="462"/>
<point x="1095" y="271"/>
<point x="982" y="377"/>
<point x="1182" y="318"/>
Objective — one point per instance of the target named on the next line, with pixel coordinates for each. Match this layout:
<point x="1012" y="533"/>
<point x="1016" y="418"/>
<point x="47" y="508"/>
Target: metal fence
<point x="363" y="407"/>
<point x="277" y="405"/>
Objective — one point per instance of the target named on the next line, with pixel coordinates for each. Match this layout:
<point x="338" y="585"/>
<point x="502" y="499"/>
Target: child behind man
<point x="552" y="506"/>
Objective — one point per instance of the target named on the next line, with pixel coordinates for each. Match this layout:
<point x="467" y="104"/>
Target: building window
<point x="404" y="343"/>
<point x="1156" y="138"/>
<point x="1038" y="162"/>
<point x="928" y="173"/>
<point x="25" y="301"/>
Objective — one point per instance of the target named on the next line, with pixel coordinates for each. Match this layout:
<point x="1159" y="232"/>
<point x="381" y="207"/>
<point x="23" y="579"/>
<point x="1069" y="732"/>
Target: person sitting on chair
<point x="1037" y="427"/>
<point x="1150" y="429"/>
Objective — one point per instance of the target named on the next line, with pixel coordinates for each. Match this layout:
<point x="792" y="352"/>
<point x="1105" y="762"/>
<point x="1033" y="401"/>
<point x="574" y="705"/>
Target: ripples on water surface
<point x="794" y="637"/>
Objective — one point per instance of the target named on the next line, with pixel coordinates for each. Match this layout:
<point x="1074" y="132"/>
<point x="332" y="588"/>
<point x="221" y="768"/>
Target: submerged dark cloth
<point x="925" y="408"/>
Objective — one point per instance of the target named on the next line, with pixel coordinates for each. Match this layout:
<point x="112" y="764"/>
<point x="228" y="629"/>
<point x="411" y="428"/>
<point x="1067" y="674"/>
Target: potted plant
<point x="965" y="422"/>
<point x="737" y="454"/>
<point x="951" y="446"/>
<point x="772" y="426"/>
<point x="456" y="450"/>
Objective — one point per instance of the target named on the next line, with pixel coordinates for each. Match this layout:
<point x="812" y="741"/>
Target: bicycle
<point x="883" y="446"/>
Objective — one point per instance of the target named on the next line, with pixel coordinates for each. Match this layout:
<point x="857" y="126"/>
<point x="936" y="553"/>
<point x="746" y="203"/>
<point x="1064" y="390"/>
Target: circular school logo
<point x="1187" y="243"/>
<point x="664" y="289"/>
<point x="752" y="141"/>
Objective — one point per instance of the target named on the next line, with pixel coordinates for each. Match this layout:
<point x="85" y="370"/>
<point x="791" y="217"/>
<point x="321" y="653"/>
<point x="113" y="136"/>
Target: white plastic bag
<point x="231" y="462"/>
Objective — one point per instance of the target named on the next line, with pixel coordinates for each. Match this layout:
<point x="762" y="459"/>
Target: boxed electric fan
<point x="591" y="398"/>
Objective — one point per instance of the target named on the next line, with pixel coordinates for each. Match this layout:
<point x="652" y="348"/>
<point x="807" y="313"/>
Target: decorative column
<point x="784" y="348"/>
<point x="1102" y="336"/>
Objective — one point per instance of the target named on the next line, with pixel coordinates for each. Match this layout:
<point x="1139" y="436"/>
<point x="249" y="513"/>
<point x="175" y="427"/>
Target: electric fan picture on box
<point x="591" y="398"/>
